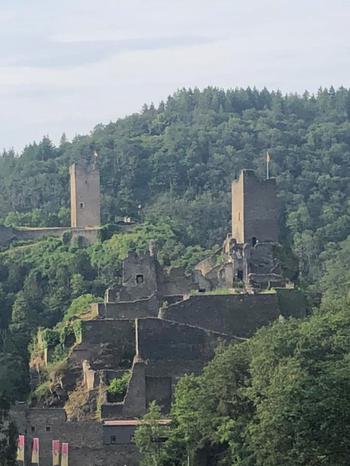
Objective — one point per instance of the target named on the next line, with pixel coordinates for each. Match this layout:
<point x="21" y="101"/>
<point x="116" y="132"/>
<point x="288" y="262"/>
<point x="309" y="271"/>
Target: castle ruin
<point x="249" y="257"/>
<point x="157" y="326"/>
<point x="85" y="211"/>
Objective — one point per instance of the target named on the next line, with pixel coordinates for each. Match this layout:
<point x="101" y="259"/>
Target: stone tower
<point x="255" y="209"/>
<point x="85" y="195"/>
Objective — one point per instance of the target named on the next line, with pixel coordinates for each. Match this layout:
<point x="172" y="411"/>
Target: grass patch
<point x="42" y="391"/>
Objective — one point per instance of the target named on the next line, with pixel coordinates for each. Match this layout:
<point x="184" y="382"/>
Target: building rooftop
<point x="133" y="422"/>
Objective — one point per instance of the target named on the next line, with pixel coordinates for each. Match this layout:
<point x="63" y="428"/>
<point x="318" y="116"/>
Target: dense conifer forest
<point x="170" y="168"/>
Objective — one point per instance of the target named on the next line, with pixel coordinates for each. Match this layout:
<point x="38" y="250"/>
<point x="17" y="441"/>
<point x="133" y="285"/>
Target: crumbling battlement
<point x="143" y="278"/>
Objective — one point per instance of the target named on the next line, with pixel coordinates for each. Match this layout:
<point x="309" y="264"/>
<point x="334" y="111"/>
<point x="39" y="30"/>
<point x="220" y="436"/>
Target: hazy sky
<point x="67" y="65"/>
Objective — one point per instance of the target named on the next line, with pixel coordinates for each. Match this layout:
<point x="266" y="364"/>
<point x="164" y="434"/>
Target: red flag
<point x="20" y="448"/>
<point x="55" y="452"/>
<point x="64" y="458"/>
<point x="35" y="451"/>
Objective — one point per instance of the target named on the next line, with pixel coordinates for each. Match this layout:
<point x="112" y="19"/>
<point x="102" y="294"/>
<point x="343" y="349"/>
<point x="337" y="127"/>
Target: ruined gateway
<point x="161" y="325"/>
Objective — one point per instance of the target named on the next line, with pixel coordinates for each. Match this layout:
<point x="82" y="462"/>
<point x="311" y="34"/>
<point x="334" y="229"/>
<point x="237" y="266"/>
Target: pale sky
<point x="68" y="65"/>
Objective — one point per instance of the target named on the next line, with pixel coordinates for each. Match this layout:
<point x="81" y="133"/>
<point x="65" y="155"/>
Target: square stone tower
<point x="85" y="195"/>
<point x="255" y="209"/>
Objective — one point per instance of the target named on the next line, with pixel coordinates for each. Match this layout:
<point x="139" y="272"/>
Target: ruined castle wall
<point x="106" y="344"/>
<point x="8" y="235"/>
<point x="165" y="352"/>
<point x="143" y="278"/>
<point x="239" y="315"/>
<point x="171" y="350"/>
<point x="139" y="278"/>
<point x="88" y="444"/>
<point x="175" y="282"/>
<point x="112" y="410"/>
<point x="107" y="454"/>
<point x="129" y="309"/>
<point x="162" y="340"/>
<point x="115" y="332"/>
<point x="207" y="264"/>
<point x="117" y="434"/>
<point x="88" y="235"/>
<point x="90" y="377"/>
<point x="134" y="403"/>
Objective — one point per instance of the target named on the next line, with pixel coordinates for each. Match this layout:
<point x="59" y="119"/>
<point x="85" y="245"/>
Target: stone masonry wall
<point x="239" y="315"/>
<point x="169" y="351"/>
<point x="8" y="235"/>
<point x="129" y="309"/>
<point x="85" y="196"/>
<point x="255" y="208"/>
<point x="261" y="208"/>
<point x="106" y="344"/>
<point x="162" y="340"/>
<point x="237" y="210"/>
<point x="139" y="277"/>
<point x="175" y="282"/>
<point x="86" y="445"/>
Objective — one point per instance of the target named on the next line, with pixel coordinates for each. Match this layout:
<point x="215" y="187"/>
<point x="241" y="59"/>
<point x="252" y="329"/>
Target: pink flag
<point x="35" y="451"/>
<point x="55" y="452"/>
<point x="20" y="448"/>
<point x="64" y="458"/>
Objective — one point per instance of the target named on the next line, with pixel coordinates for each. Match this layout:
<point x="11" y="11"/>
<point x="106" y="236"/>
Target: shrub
<point x="118" y="387"/>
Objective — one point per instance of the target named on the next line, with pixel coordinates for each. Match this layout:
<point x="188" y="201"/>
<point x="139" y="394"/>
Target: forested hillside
<point x="170" y="168"/>
<point x="178" y="160"/>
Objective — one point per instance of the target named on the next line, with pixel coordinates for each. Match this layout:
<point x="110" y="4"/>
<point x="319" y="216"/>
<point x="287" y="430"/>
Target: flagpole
<point x="267" y="165"/>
